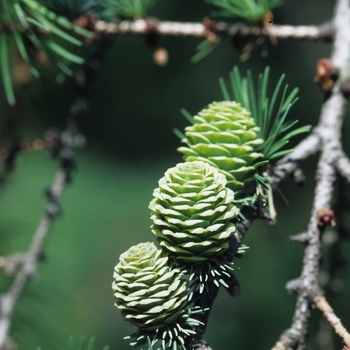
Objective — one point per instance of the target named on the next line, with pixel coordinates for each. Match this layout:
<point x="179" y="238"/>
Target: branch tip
<point x="321" y="303"/>
<point x="301" y="238"/>
<point x="293" y="286"/>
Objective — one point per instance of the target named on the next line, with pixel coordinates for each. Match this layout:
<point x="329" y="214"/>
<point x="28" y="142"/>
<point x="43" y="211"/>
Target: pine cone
<point x="148" y="291"/>
<point x="191" y="212"/>
<point x="226" y="136"/>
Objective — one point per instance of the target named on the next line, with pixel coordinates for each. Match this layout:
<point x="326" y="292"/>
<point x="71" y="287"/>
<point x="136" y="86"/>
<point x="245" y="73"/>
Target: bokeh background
<point x="134" y="107"/>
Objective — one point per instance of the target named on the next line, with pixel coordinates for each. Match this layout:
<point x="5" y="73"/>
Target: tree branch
<point x="27" y="271"/>
<point x="329" y="135"/>
<point x="140" y="27"/>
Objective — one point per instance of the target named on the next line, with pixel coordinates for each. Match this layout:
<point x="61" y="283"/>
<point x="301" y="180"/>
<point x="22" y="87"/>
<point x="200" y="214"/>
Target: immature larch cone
<point x="148" y="291"/>
<point x="226" y="136"/>
<point x="192" y="211"/>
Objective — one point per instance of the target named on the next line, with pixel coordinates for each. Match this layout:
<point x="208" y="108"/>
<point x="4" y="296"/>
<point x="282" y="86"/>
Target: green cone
<point x="226" y="136"/>
<point x="191" y="212"/>
<point x="149" y="293"/>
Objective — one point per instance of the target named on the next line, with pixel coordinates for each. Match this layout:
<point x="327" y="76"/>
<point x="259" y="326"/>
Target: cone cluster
<point x="192" y="216"/>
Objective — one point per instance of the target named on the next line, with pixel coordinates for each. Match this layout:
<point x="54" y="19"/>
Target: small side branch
<point x="290" y="163"/>
<point x="322" y="304"/>
<point x="342" y="165"/>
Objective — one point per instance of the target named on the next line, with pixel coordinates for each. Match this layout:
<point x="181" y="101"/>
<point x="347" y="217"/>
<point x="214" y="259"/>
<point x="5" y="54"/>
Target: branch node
<point x="12" y="263"/>
<point x="53" y="210"/>
<point x="53" y="142"/>
<point x="29" y="270"/>
<point x="152" y="33"/>
<point x="152" y="38"/>
<point x="298" y="177"/>
<point x="325" y="217"/>
<point x="289" y="340"/>
<point x="315" y="293"/>
<point x="210" y="30"/>
<point x="50" y="194"/>
<point x="326" y="74"/>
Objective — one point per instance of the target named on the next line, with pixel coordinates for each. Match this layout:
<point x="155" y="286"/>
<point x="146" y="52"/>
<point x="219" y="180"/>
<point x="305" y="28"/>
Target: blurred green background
<point x="134" y="106"/>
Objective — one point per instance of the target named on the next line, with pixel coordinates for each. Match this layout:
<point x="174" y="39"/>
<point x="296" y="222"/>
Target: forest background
<point x="133" y="108"/>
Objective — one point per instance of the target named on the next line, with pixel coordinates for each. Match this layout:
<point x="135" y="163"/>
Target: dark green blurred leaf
<point x="251" y="10"/>
<point x="6" y="69"/>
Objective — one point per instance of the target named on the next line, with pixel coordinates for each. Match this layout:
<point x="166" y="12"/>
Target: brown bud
<point x="324" y="68"/>
<point x="152" y="35"/>
<point x="325" y="217"/>
<point x="267" y="19"/>
<point x="209" y="24"/>
<point x="210" y="30"/>
<point x="267" y="23"/>
<point x="326" y="74"/>
<point x="86" y="21"/>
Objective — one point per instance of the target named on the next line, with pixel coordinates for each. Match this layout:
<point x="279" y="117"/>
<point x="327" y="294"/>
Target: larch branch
<point x="329" y="135"/>
<point x="186" y="29"/>
<point x="9" y="300"/>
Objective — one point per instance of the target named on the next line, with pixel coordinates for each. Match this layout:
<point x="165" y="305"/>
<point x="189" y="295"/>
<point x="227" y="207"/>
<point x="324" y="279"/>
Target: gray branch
<point x="290" y="163"/>
<point x="66" y="144"/>
<point x="325" y="138"/>
<point x="342" y="165"/>
<point x="63" y="145"/>
<point x="165" y="28"/>
<point x="8" y="301"/>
